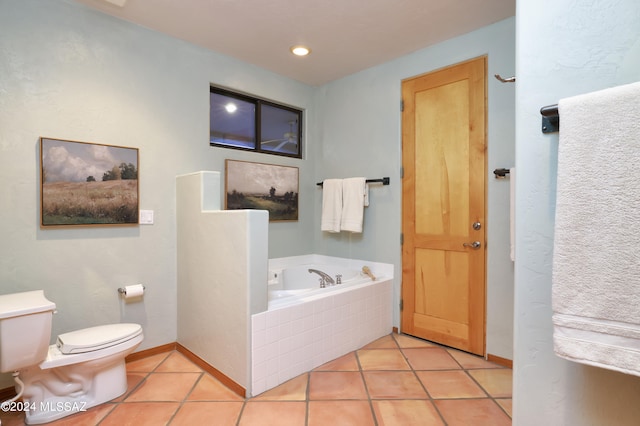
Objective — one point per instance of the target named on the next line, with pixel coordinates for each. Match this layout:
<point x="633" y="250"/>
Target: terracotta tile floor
<point x="395" y="380"/>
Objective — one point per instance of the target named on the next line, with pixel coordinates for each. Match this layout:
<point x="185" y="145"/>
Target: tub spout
<point x="325" y="277"/>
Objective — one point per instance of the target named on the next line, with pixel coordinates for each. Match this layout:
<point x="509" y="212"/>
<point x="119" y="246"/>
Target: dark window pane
<point x="241" y="121"/>
<point x="232" y="121"/>
<point x="279" y="130"/>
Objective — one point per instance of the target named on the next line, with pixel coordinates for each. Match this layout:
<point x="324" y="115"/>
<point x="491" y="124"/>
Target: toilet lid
<point x="94" y="338"/>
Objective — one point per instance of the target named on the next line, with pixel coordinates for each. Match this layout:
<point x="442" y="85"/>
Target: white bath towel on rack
<point x="596" y="276"/>
<point x="353" y="201"/>
<point x="512" y="213"/>
<point x="331" y="205"/>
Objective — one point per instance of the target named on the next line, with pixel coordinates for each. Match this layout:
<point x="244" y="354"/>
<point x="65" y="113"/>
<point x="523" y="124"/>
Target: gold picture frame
<point x="262" y="186"/>
<point x="87" y="184"/>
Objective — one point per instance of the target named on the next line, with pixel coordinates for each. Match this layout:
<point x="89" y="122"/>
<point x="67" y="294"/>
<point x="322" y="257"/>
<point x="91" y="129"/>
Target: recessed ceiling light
<point x="231" y="107"/>
<point x="300" y="50"/>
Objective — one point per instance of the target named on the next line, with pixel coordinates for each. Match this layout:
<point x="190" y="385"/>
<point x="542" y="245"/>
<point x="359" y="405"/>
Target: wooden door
<point x="443" y="202"/>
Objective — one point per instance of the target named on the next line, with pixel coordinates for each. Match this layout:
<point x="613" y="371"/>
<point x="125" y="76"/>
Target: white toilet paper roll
<point x="132" y="291"/>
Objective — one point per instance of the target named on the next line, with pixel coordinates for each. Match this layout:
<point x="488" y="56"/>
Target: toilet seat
<point x="55" y="358"/>
<point x="96" y="338"/>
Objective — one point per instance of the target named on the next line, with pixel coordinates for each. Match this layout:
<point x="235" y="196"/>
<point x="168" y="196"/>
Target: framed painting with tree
<point x="263" y="187"/>
<point x="87" y="184"/>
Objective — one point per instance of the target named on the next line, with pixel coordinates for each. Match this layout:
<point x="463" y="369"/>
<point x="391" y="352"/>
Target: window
<point x="239" y="121"/>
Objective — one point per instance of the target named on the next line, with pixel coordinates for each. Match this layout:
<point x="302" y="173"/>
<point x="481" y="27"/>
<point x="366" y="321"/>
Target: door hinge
<point x="401" y="172"/>
<point x="401" y="304"/>
<point x="401" y="238"/>
<point x="402" y="105"/>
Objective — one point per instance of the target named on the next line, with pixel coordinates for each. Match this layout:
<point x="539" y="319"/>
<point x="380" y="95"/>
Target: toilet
<point x="84" y="368"/>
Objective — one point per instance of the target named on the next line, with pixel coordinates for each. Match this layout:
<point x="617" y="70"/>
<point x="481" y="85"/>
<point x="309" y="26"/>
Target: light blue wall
<point x="359" y="134"/>
<point x="564" y="48"/>
<point x="69" y="72"/>
<point x="72" y="73"/>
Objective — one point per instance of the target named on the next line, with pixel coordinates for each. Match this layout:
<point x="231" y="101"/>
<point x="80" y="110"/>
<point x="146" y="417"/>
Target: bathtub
<point x="296" y="284"/>
<point x="306" y="326"/>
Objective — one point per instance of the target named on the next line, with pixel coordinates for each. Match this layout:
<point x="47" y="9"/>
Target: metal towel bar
<point x="384" y="181"/>
<point x="501" y="173"/>
<point x="550" y="119"/>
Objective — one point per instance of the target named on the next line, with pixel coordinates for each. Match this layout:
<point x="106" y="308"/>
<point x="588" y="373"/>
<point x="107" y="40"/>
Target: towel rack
<point x="504" y="80"/>
<point x="384" y="181"/>
<point x="550" y="119"/>
<point x="500" y="173"/>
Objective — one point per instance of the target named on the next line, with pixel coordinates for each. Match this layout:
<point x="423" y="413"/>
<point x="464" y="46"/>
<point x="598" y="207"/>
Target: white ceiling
<point x="345" y="36"/>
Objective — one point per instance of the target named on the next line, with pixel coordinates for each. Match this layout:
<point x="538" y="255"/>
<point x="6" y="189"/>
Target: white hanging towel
<point x="353" y="201"/>
<point x="512" y="212"/>
<point x="331" y="205"/>
<point x="596" y="260"/>
<point x="366" y="194"/>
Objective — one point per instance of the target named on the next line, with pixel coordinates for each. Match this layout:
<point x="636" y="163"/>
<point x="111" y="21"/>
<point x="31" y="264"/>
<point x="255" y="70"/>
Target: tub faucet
<point x="324" y="278"/>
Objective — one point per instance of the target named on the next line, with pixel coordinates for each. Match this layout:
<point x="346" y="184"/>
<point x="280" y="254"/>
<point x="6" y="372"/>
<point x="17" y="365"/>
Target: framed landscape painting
<point x="87" y="184"/>
<point x="263" y="187"/>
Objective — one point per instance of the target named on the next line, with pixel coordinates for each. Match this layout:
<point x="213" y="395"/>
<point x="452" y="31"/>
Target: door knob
<point x="473" y="245"/>
<point x="476" y="226"/>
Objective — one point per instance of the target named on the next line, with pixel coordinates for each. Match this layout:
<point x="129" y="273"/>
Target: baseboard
<point x="500" y="361"/>
<point x="150" y="352"/>
<point x="235" y="387"/>
<point x="7" y="393"/>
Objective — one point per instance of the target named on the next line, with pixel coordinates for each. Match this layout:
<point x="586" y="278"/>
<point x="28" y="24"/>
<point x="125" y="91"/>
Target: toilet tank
<point x="25" y="329"/>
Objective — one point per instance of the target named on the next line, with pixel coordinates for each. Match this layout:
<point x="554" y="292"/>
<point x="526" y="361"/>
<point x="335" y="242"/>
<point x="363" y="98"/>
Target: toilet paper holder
<point x="123" y="290"/>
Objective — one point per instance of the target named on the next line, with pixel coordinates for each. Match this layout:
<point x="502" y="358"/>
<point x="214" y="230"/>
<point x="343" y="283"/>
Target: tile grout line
<point x="429" y="397"/>
<point x="244" y="405"/>
<point x="186" y="396"/>
<point x="108" y="413"/>
<point x="128" y="392"/>
<point x="489" y="395"/>
<point x="466" y="371"/>
<point x="306" y="398"/>
<point x="366" y="388"/>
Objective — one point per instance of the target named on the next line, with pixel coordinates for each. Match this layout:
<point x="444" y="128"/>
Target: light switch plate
<point x="146" y="217"/>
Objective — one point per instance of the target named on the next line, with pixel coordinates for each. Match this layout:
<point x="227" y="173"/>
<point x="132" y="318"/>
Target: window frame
<point x="258" y="103"/>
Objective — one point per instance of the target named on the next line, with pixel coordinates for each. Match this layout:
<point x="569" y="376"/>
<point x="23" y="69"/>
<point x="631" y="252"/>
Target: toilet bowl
<point x="84" y="368"/>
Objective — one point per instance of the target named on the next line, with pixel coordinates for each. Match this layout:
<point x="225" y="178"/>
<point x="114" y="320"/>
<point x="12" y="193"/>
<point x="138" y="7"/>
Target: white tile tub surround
<point x="291" y="340"/>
